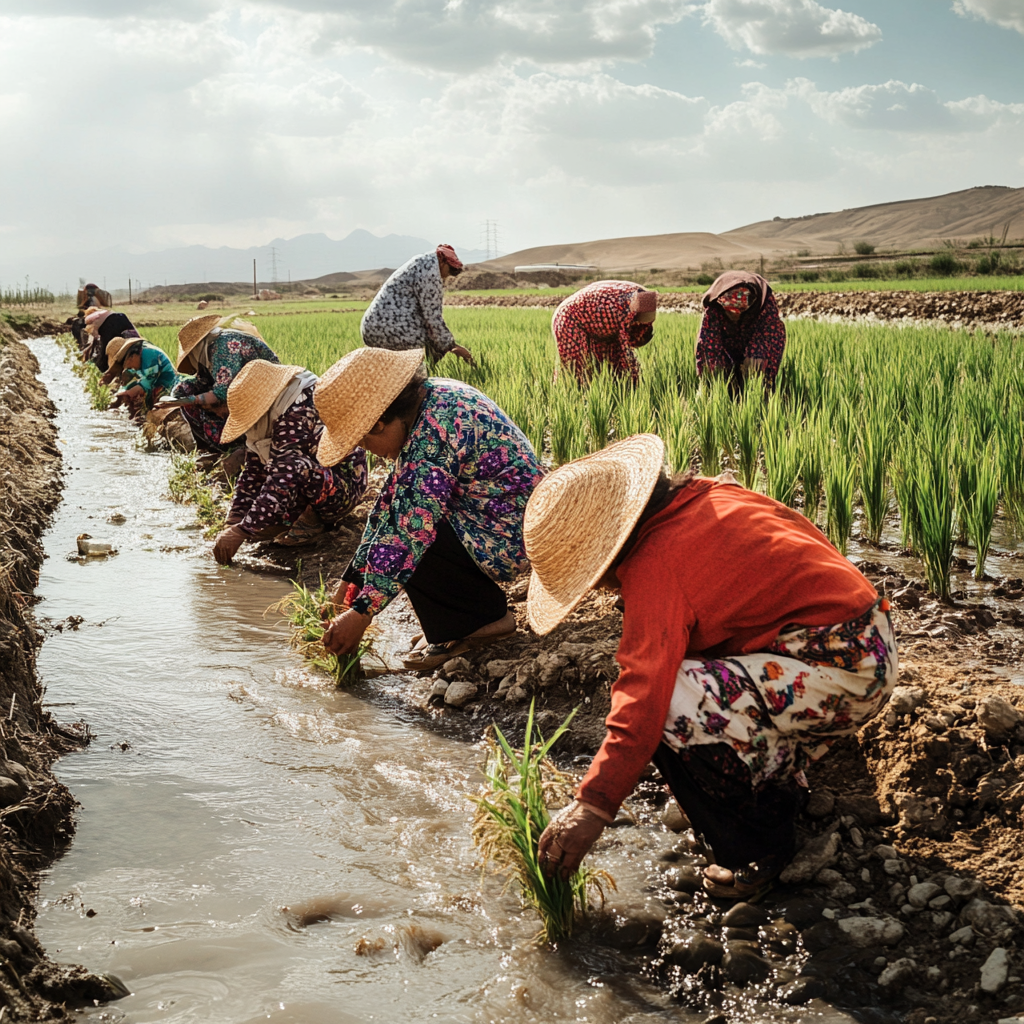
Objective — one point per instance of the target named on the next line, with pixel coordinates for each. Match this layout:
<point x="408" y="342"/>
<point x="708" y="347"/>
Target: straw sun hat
<point x="577" y="520"/>
<point x="117" y="347"/>
<point x="192" y="333"/>
<point x="252" y="393"/>
<point x="354" y="393"/>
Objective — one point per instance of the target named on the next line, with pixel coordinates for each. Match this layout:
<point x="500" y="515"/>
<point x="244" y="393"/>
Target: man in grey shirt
<point x="407" y="311"/>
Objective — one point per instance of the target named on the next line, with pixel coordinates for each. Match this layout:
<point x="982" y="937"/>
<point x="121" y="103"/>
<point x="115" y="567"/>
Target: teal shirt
<point x="156" y="371"/>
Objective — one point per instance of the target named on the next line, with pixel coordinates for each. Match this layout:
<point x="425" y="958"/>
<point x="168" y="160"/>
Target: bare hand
<point x="750" y="366"/>
<point x="229" y="540"/>
<point x="345" y="632"/>
<point x="464" y="353"/>
<point x="568" y="839"/>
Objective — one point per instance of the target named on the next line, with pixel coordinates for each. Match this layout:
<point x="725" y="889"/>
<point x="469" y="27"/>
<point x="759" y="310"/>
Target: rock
<point x="915" y="809"/>
<point x="906" y="597"/>
<point x="962" y="936"/>
<point x="820" y="803"/>
<point x="673" y="818"/>
<point x="202" y="304"/>
<point x="457" y="667"/>
<point x="628" y="929"/>
<point x="940" y="902"/>
<point x="988" y="918"/>
<point x="526" y="673"/>
<point x="799" y="911"/>
<point x="892" y="867"/>
<point x="517" y="694"/>
<point x="505" y="685"/>
<point x="744" y="967"/>
<point x="998" y="717"/>
<point x="994" y="971"/>
<point x="576" y="652"/>
<point x="820" y="936"/>
<point x="801" y="991"/>
<point x="9" y="949"/>
<point x="829" y="877"/>
<point x="905" y="699"/>
<point x="499" y="669"/>
<point x="691" y="950"/>
<point x="962" y="888"/>
<point x="941" y="919"/>
<point x="745" y="915"/>
<point x="10" y="791"/>
<point x="864" y="808"/>
<point x="460" y="693"/>
<point x="919" y="895"/>
<point x="899" y="973"/>
<point x="439" y="688"/>
<point x="819" y="853"/>
<point x="687" y="879"/>
<point x="551" y="666"/>
<point x="871" y="931"/>
<point x="883" y="852"/>
<point x="843" y="891"/>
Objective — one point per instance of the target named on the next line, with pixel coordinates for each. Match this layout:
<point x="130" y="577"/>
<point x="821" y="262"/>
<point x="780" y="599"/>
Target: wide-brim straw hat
<point x="117" y="347"/>
<point x="577" y="520"/>
<point x="252" y="393"/>
<point x="193" y="332"/>
<point x="355" y="392"/>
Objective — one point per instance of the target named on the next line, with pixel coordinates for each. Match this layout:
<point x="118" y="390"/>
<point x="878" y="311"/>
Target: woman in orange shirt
<point x="749" y="644"/>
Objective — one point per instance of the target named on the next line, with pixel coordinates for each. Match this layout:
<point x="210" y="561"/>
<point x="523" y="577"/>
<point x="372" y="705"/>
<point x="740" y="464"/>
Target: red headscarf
<point x="447" y="253"/>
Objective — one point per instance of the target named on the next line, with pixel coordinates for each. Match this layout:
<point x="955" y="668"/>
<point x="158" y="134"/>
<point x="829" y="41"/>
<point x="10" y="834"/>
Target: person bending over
<point x="749" y="644"/>
<point x="282" y="488"/>
<point x="449" y="520"/>
<point x="144" y="371"/>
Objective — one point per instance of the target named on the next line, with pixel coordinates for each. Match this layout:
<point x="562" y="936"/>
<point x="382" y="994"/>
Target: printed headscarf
<point x="447" y="253"/>
<point x="759" y="289"/>
<point x="735" y="300"/>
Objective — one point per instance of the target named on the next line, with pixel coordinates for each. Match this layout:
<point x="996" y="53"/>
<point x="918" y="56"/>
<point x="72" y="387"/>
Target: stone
<point x="526" y="673"/>
<point x="998" y="717"/>
<point x="516" y="695"/>
<point x="819" y="853"/>
<point x="857" y="838"/>
<point x="871" y="931"/>
<point x="883" y="852"/>
<point x="799" y="911"/>
<point x="962" y="936"/>
<point x="506" y="684"/>
<point x="919" y="895"/>
<point x="962" y="888"/>
<point x="691" y="950"/>
<point x="460" y="693"/>
<point x="828" y="876"/>
<point x="801" y="991"/>
<point x="457" y="667"/>
<point x="499" y="669"/>
<point x="745" y="915"/>
<point x="862" y="808"/>
<point x="10" y="791"/>
<point x="673" y="818"/>
<point x="941" y="919"/>
<point x="892" y="867"/>
<point x="905" y="699"/>
<point x="843" y="891"/>
<point x="820" y="803"/>
<point x="744" y="967"/>
<point x="994" y="971"/>
<point x="906" y="597"/>
<point x="551" y="667"/>
<point x="686" y="879"/>
<point x="899" y="973"/>
<point x="628" y="929"/>
<point x="988" y="918"/>
<point x="9" y="949"/>
<point x="940" y="902"/>
<point x="820" y="936"/>
<point x="439" y="688"/>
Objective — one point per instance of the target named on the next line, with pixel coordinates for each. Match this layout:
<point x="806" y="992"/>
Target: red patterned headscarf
<point x="736" y="300"/>
<point x="447" y="253"/>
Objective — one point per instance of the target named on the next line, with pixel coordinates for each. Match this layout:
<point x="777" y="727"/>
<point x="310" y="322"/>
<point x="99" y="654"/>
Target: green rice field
<point x="917" y="427"/>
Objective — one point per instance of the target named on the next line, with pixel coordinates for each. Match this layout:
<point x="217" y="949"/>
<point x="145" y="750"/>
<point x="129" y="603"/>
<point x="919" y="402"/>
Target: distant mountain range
<point x="298" y="259"/>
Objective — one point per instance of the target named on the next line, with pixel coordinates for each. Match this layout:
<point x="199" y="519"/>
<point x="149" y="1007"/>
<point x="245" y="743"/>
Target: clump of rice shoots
<point x="904" y="481"/>
<point x="782" y="455"/>
<point x="979" y="505"/>
<point x="711" y="412"/>
<point x="876" y="442"/>
<point x="746" y="420"/>
<point x="512" y="812"/>
<point x="187" y="484"/>
<point x="1011" y="467"/>
<point x="840" y="491"/>
<point x="633" y="411"/>
<point x="936" y="517"/>
<point x="599" y="411"/>
<point x="679" y="436"/>
<point x="308" y="613"/>
<point x="812" y="467"/>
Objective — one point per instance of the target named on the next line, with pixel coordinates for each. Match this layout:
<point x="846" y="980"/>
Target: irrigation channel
<point x="226" y="782"/>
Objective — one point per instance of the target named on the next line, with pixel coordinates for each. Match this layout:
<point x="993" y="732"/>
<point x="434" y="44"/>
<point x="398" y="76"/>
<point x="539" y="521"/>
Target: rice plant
<point x="512" y="812"/>
<point x="840" y="492"/>
<point x="876" y="442"/>
<point x="936" y="512"/>
<point x="782" y="455"/>
<point x="746" y="419"/>
<point x="308" y="612"/>
<point x="812" y="467"/>
<point x="187" y="484"/>
<point x="979" y="505"/>
<point x="599" y="411"/>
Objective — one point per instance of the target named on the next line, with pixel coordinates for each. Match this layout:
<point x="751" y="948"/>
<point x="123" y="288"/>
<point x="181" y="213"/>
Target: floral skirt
<point x="780" y="708"/>
<point x="206" y="426"/>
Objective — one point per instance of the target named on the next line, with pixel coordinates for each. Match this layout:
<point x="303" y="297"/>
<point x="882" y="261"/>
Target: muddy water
<point x="226" y="782"/>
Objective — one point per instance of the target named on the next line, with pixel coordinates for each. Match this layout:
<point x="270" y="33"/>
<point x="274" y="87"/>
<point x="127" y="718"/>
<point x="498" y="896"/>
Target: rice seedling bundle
<point x="512" y="812"/>
<point x="840" y="490"/>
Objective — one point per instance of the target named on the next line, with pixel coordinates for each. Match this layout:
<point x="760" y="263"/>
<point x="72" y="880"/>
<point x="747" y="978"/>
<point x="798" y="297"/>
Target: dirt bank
<point x="987" y="310"/>
<point x="35" y="809"/>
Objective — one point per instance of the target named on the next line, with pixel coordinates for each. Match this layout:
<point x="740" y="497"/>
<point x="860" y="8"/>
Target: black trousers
<point x="741" y="824"/>
<point x="450" y="594"/>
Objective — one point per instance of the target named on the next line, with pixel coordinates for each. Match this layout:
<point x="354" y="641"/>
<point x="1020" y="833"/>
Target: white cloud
<point x="897" y="107"/>
<point x="1008" y="13"/>
<point x="795" y="28"/>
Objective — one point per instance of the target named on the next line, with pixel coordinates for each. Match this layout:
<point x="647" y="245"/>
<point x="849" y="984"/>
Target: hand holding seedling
<point x="131" y="395"/>
<point x="568" y="838"/>
<point x="345" y="632"/>
<point x="464" y="353"/>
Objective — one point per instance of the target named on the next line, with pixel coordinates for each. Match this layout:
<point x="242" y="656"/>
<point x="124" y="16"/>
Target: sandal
<point x="301" y="533"/>
<point x="431" y="656"/>
<point x="750" y="882"/>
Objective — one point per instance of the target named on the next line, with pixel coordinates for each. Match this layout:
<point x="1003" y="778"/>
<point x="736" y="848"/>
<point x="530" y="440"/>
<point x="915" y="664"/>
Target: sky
<point x="148" y="124"/>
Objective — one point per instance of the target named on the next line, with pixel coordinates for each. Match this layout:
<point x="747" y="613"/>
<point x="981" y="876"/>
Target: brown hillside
<point x="910" y="224"/>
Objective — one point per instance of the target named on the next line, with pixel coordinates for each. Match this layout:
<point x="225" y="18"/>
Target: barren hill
<point x="986" y="211"/>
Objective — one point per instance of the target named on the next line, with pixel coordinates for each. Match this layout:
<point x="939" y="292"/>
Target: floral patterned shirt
<point x="723" y="344"/>
<point x="229" y="352"/>
<point x="277" y="493"/>
<point x="407" y="311"/>
<point x="596" y="326"/>
<point x="465" y="461"/>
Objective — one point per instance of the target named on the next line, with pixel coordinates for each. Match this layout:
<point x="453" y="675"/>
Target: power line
<point x="491" y="239"/>
<point x="273" y="264"/>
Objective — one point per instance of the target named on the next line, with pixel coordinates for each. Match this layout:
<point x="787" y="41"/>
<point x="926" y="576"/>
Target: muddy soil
<point x="36" y="811"/>
<point x="990" y="311"/>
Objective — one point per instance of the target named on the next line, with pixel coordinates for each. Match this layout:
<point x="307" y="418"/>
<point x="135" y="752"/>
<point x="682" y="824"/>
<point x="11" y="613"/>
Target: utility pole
<point x="130" y="303"/>
<point x="491" y="239"/>
<point x="255" y="294"/>
<point x="273" y="264"/>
